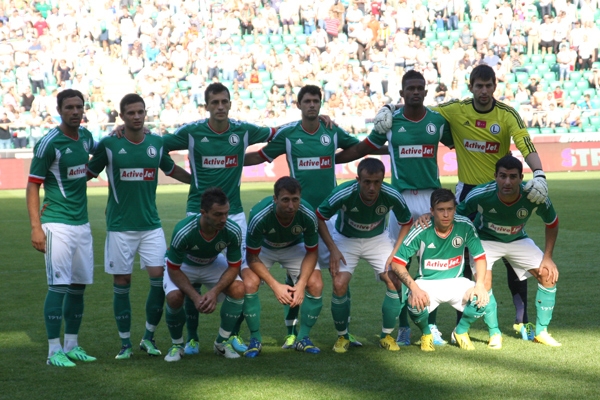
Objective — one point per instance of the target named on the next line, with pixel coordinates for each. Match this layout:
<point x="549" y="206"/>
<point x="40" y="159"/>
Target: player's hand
<point x="326" y="119"/>
<point x="38" y="239"/>
<point x="537" y="187"/>
<point x="418" y="299"/>
<point x="284" y="293"/>
<point x="388" y="262"/>
<point x="207" y="303"/>
<point x="479" y="295"/>
<point x="298" y="295"/>
<point x="423" y="221"/>
<point x="383" y="119"/>
<point x="551" y="271"/>
<point x="335" y="256"/>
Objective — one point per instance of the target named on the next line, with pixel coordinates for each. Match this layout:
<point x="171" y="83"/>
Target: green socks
<point x="122" y="310"/>
<point x="175" y="319"/>
<point x="491" y="315"/>
<point x="390" y="309"/>
<point x="309" y="312"/>
<point x="230" y="313"/>
<point x="544" y="305"/>
<point x="421" y="319"/>
<point x="290" y="314"/>
<point x="191" y="316"/>
<point x="53" y="310"/>
<point x="252" y="315"/>
<point x="340" y="311"/>
<point x="73" y="309"/>
<point x="154" y="306"/>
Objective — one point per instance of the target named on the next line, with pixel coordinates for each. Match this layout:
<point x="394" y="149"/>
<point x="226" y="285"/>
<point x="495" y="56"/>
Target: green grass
<point x="521" y="369"/>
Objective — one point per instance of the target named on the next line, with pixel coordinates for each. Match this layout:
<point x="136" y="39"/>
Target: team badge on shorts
<point x="220" y="246"/>
<point x="381" y="210"/>
<point x="522" y="213"/>
<point x="325" y="140"/>
<point x="495" y="129"/>
<point x="297" y="229"/>
<point x="457" y="241"/>
<point x="151" y="151"/>
<point x="234" y="140"/>
<point x="430" y="128"/>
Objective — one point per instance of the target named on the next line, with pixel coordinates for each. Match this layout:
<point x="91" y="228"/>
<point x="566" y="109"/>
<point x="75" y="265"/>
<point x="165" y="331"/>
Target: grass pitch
<point x="520" y="370"/>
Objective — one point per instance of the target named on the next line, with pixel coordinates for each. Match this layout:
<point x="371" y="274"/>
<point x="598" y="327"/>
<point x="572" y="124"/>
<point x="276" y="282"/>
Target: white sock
<point x="53" y="346"/>
<point x="70" y="342"/>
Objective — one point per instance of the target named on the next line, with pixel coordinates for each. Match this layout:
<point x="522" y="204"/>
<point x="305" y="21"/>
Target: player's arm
<point x="98" y="162"/>
<point x="176" y="141"/>
<point x="355" y="152"/>
<point x="548" y="264"/>
<point x="401" y="235"/>
<point x="183" y="283"/>
<point x="181" y="175"/>
<point x="419" y="299"/>
<point x="306" y="269"/>
<point x="283" y="293"/>
<point x="478" y="253"/>
<point x="536" y="187"/>
<point x="208" y="301"/>
<point x="253" y="158"/>
<point x="38" y="237"/>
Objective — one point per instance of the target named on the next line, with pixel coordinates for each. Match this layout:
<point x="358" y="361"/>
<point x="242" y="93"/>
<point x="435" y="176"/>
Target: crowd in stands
<point x="544" y="53"/>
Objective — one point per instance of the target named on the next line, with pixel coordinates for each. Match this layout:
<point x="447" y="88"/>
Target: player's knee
<point x="315" y="284"/>
<point x="340" y="286"/>
<point x="122" y="279"/>
<point x="251" y="281"/>
<point x="175" y="299"/>
<point x="236" y="290"/>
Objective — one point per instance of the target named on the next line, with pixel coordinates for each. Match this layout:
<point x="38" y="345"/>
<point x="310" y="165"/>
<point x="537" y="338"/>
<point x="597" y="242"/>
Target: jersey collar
<point x="484" y="112"/>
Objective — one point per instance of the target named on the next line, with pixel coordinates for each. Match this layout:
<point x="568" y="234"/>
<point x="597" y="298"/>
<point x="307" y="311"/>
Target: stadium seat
<point x="575" y="94"/>
<point x="546" y="131"/>
<point x="442" y="35"/>
<point x="522" y="77"/>
<point x="583" y="85"/>
<point x="549" y="76"/>
<point x="595" y="103"/>
<point x="301" y="39"/>
<point x="298" y="29"/>
<point x="595" y="121"/>
<point x="267" y="84"/>
<point x="264" y="75"/>
<point x="257" y="94"/>
<point x="183" y="85"/>
<point x="288" y="39"/>
<point x="542" y="68"/>
<point x="279" y="48"/>
<point x="550" y="59"/>
<point x="568" y="86"/>
<point x="244" y="94"/>
<point x="261" y="103"/>
<point x="275" y="39"/>
<point x="536" y="59"/>
<point x="248" y="38"/>
<point x="429" y="35"/>
<point x="575" y="76"/>
<point x="575" y="129"/>
<point x="509" y="77"/>
<point x="560" y="129"/>
<point x="533" y="131"/>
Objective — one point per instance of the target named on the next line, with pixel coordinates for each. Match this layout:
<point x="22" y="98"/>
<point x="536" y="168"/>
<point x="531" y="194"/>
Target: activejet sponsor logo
<point x="277" y="245"/>
<point x="77" y="172"/>
<point x="505" y="230"/>
<point x="442" y="265"/>
<point x="137" y="174"/>
<point x="363" y="227"/>
<point x="481" y="147"/>
<point x="314" y="162"/>
<point x="200" y="260"/>
<point x="416" y="151"/>
<point x="220" y="161"/>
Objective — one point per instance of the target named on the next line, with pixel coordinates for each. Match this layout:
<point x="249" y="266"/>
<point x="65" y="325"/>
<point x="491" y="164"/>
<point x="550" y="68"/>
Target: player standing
<point x="310" y="148"/>
<point x="60" y="227"/>
<point x="440" y="248"/>
<point x="283" y="229"/>
<point x="195" y="257"/>
<point x="362" y="207"/>
<point x="482" y="129"/>
<point x="133" y="225"/>
<point x="502" y="212"/>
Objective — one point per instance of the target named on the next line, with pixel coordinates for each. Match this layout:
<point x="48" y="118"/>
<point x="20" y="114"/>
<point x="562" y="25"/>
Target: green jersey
<point x="441" y="257"/>
<point x="310" y="156"/>
<point x="357" y="219"/>
<point x="189" y="245"/>
<point x="132" y="171"/>
<point x="501" y="222"/>
<point x="265" y="229"/>
<point x="413" y="148"/>
<point x="216" y="159"/>
<point x="60" y="164"/>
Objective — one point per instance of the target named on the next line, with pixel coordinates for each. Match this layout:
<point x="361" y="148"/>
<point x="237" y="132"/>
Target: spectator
<point x="5" y="136"/>
<point x="563" y="58"/>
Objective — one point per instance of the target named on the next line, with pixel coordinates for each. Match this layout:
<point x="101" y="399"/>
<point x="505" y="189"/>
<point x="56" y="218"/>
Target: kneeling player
<point x="194" y="257"/>
<point x="503" y="210"/>
<point x="362" y="207"/>
<point x="283" y="229"/>
<point x="440" y="248"/>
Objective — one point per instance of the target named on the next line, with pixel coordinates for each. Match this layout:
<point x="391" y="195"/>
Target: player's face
<point x="134" y="116"/>
<point x="216" y="217"/>
<point x="413" y="92"/>
<point x="286" y="204"/>
<point x="443" y="214"/>
<point x="218" y="106"/>
<point x="71" y="112"/>
<point x="310" y="106"/>
<point x="508" y="181"/>
<point x="370" y="185"/>
<point x="483" y="92"/>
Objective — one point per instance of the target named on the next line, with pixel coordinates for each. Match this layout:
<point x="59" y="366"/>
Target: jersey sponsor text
<point x="76" y="172"/>
<point x="481" y="146"/>
<point x="137" y="174"/>
<point x="314" y="162"/>
<point x="505" y="230"/>
<point x="220" y="161"/>
<point x="416" y="151"/>
<point x="364" y="227"/>
<point x="442" y="265"/>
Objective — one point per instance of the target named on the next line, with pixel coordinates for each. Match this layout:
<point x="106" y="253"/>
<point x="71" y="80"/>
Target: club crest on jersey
<point x="220" y="246"/>
<point x="522" y="213"/>
<point x="234" y="140"/>
<point x="495" y="129"/>
<point x="86" y="146"/>
<point x="457" y="242"/>
<point x="430" y="128"/>
<point x="297" y="229"/>
<point x="381" y="210"/>
<point x="325" y="140"/>
<point x="151" y="151"/>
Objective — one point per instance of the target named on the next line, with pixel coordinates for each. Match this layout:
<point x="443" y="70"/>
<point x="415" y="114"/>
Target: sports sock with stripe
<point x="122" y="311"/>
<point x="154" y="306"/>
<point x="309" y="313"/>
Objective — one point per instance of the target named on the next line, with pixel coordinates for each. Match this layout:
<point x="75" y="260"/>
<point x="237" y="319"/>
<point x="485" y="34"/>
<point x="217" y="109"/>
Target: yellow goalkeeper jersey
<point x="481" y="139"/>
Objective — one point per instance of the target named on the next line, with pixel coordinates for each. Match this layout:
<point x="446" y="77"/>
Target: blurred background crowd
<point x="545" y="54"/>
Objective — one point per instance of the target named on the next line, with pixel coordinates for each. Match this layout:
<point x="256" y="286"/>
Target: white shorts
<point x="418" y="202"/>
<point x="208" y="275"/>
<point x="375" y="251"/>
<point x="289" y="258"/>
<point x="120" y="249"/>
<point x="440" y="291"/>
<point x="69" y="254"/>
<point x="522" y="254"/>
<point x="323" y="250"/>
